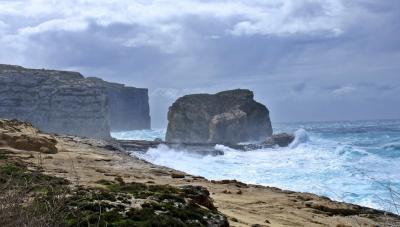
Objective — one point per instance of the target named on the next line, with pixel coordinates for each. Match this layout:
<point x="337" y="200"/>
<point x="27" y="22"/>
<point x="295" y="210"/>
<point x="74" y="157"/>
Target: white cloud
<point x="67" y="24"/>
<point x="165" y="92"/>
<point x="162" y="17"/>
<point x="165" y="37"/>
<point x="3" y="28"/>
<point x="3" y="25"/>
<point x="291" y="17"/>
<point x="211" y="44"/>
<point x="344" y="90"/>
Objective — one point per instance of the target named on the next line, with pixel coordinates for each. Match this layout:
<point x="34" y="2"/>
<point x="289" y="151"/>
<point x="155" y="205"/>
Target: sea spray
<point x="140" y="134"/>
<point x="352" y="162"/>
<point x="301" y="136"/>
<point x="223" y="148"/>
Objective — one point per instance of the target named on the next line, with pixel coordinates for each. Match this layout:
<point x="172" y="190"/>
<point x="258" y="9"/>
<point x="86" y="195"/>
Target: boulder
<point x="227" y="117"/>
<point x="281" y="139"/>
<point x="198" y="195"/>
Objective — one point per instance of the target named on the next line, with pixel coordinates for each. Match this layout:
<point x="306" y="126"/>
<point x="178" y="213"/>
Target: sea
<point x="350" y="161"/>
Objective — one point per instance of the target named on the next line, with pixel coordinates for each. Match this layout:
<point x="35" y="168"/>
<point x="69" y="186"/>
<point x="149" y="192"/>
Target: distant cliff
<point x="68" y="103"/>
<point x="128" y="106"/>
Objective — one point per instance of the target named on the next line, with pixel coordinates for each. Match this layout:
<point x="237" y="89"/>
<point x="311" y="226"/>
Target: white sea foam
<point x="140" y="134"/>
<point x="301" y="136"/>
<point x="220" y="147"/>
<point x="336" y="165"/>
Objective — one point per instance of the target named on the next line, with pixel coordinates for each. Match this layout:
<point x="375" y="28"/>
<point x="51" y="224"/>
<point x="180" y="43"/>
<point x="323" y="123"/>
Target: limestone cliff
<point x="54" y="101"/>
<point x="226" y="117"/>
<point x="66" y="102"/>
<point x="129" y="107"/>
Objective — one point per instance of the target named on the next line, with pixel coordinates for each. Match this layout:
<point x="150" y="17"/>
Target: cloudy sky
<point x="304" y="59"/>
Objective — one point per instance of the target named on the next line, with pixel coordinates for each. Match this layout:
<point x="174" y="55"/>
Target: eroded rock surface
<point x="24" y="136"/>
<point x="226" y="117"/>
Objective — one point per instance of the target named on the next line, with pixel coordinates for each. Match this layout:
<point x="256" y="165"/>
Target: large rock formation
<point x="54" y="101"/>
<point x="129" y="107"/>
<point x="64" y="102"/>
<point x="227" y="117"/>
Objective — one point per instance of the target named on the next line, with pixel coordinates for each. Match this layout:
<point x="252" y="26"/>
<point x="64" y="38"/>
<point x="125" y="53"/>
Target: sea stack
<point x="228" y="117"/>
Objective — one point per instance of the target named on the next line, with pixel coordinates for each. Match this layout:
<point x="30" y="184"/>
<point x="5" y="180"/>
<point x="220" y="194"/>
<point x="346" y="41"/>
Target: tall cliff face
<point x="68" y="103"/>
<point x="54" y="101"/>
<point x="128" y="107"/>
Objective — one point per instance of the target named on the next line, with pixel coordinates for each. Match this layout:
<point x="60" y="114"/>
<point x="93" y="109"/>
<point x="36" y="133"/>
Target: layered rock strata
<point x="67" y="103"/>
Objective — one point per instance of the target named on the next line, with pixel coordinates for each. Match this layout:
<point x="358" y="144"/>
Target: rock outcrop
<point x="24" y="136"/>
<point x="227" y="117"/>
<point x="67" y="103"/>
<point x="281" y="139"/>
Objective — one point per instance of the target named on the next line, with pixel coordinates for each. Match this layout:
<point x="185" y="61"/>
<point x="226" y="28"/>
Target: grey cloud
<point x="299" y="87"/>
<point x="175" y="53"/>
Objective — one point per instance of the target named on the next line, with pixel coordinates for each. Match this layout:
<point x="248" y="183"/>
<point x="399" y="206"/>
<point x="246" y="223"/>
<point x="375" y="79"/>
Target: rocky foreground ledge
<point x="96" y="182"/>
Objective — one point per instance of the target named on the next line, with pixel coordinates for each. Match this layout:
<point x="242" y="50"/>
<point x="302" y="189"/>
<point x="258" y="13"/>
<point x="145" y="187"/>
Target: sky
<point x="306" y="60"/>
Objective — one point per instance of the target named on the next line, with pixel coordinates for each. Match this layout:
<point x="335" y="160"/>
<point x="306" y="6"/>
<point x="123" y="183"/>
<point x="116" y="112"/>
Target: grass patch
<point x="30" y="198"/>
<point x="2" y="156"/>
<point x="15" y="175"/>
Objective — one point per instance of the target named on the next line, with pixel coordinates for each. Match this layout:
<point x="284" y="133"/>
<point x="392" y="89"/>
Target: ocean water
<point x="356" y="162"/>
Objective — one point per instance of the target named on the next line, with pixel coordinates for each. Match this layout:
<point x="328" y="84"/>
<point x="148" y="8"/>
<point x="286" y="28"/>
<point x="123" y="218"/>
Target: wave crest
<point x="223" y="148"/>
<point x="395" y="146"/>
<point x="300" y="136"/>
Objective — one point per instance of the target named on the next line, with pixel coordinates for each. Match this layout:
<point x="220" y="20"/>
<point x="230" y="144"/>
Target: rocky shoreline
<point x="96" y="164"/>
<point x="281" y="140"/>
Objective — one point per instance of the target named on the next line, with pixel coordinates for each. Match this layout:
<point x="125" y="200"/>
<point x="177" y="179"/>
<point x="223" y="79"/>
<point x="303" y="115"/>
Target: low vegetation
<point x="31" y="198"/>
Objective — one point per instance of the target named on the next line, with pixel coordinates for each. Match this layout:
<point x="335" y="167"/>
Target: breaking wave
<point x="355" y="167"/>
